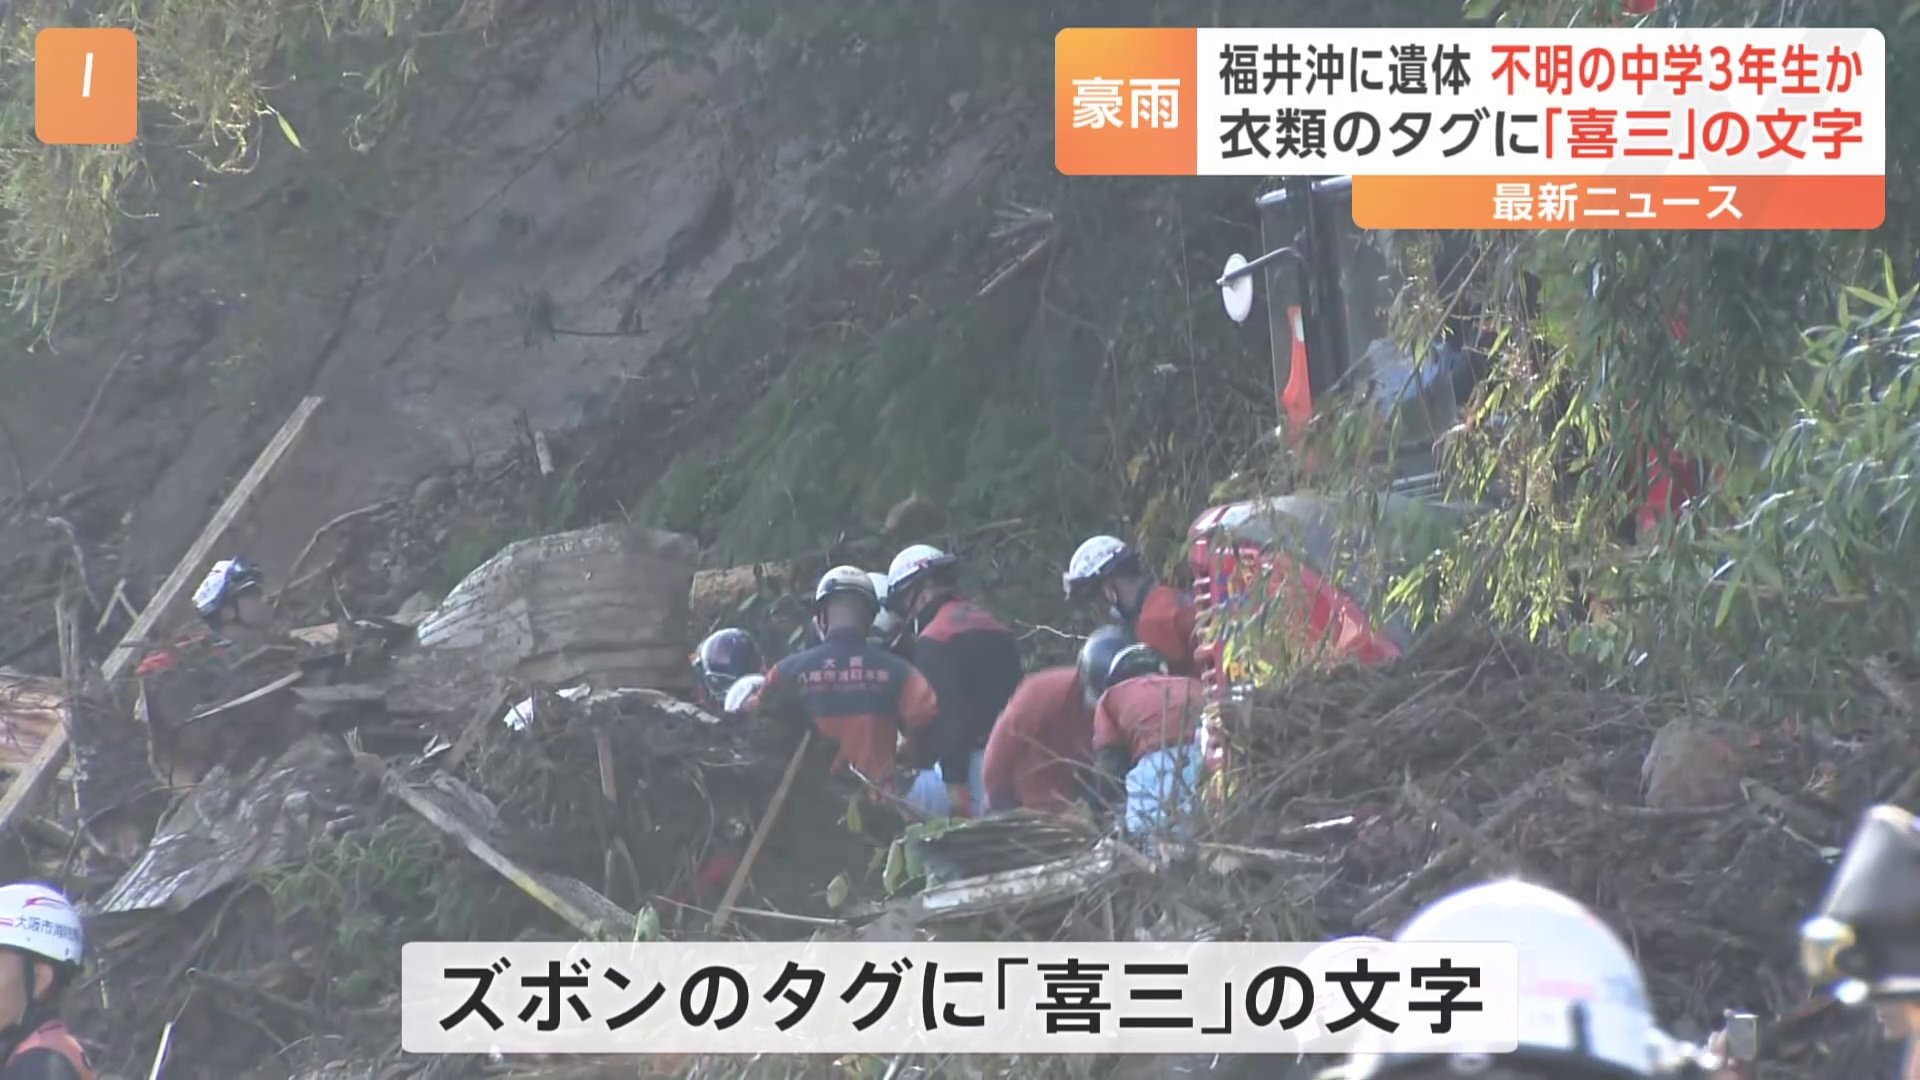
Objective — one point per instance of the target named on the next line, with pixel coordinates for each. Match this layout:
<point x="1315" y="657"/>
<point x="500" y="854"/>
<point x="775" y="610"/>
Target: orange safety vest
<point x="53" y="1035"/>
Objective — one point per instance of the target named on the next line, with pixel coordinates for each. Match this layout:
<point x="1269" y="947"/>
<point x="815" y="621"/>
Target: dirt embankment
<point x="552" y="222"/>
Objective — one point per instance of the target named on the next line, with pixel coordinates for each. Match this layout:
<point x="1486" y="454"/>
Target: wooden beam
<point x="258" y="694"/>
<point x="573" y="900"/>
<point x="46" y="764"/>
<point x="767" y="820"/>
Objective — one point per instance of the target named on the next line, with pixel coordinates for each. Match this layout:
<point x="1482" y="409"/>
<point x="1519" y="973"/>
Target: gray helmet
<point x="1097" y="656"/>
<point x="1134" y="661"/>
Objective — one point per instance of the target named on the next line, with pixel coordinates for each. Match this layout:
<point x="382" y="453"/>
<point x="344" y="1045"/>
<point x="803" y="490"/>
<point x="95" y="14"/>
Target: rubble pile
<point x="255" y="826"/>
<point x="1704" y="840"/>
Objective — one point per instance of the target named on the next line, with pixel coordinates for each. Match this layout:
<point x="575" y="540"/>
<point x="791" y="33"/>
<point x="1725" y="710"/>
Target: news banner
<point x="1640" y="127"/>
<point x="958" y="998"/>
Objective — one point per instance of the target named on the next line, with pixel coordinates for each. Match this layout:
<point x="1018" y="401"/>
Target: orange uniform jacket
<point x="1147" y="713"/>
<point x="1165" y="622"/>
<point x="973" y="662"/>
<point x="857" y="694"/>
<point x="50" y="1051"/>
<point x="1042" y="745"/>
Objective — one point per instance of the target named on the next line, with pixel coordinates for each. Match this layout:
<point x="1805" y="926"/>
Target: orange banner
<point x="1619" y="202"/>
<point x="1125" y="102"/>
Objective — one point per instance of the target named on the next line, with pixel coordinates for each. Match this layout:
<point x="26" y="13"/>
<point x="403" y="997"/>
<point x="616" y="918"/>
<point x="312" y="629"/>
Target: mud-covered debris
<point x="1488" y="754"/>
<point x="238" y="825"/>
<point x="1691" y="764"/>
<point x="1007" y="842"/>
<point x="607" y="604"/>
<point x="448" y="804"/>
<point x="30" y="707"/>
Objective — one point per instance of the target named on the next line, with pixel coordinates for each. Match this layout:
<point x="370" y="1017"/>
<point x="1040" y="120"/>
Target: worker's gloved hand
<point x="1727" y="1066"/>
<point x="960" y="799"/>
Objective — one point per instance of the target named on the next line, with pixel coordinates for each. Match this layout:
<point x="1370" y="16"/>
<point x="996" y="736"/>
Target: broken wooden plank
<point x="45" y="764"/>
<point x="260" y="654"/>
<point x="1061" y="879"/>
<point x="324" y="636"/>
<point x="667" y="703"/>
<point x="340" y="695"/>
<point x="609" y="783"/>
<point x="501" y="697"/>
<point x="235" y="824"/>
<point x="31" y="708"/>
<point x="575" y="901"/>
<point x="767" y="821"/>
<point x="250" y="697"/>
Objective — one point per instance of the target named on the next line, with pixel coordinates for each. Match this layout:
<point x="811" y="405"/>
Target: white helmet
<point x="910" y="566"/>
<point x="1583" y="1000"/>
<point x="228" y="578"/>
<point x="741" y="692"/>
<point x="1095" y="560"/>
<point x="38" y="920"/>
<point x="886" y="625"/>
<point x="845" y="579"/>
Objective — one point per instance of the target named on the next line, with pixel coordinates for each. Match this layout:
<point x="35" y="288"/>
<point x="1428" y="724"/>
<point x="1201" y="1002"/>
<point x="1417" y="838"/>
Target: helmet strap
<point x="1128" y="612"/>
<point x="36" y="1007"/>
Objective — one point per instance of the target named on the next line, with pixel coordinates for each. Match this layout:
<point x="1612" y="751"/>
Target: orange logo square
<point x="1125" y="101"/>
<point x="86" y="86"/>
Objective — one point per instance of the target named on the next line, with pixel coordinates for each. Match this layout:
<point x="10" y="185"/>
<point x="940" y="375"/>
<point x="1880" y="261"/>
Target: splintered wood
<point x="31" y="707"/>
<point x="46" y="762"/>
<point x="573" y="900"/>
<point x="606" y="605"/>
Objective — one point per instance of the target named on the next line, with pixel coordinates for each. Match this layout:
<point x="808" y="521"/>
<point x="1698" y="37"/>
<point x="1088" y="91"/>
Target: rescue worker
<point x="724" y="659"/>
<point x="232" y="594"/>
<point x="1600" y="1025"/>
<point x="971" y="659"/>
<point x="1041" y="750"/>
<point x="196" y="669"/>
<point x="889" y="630"/>
<point x="1156" y="614"/>
<point x="856" y="694"/>
<point x="40" y="953"/>
<point x="1863" y="943"/>
<point x="1144" y="728"/>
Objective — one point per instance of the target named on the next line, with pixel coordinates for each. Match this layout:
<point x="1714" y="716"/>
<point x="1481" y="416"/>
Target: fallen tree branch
<point x="1478" y="846"/>
<point x="314" y="541"/>
<point x="117" y="601"/>
<point x="767" y="822"/>
<point x="79" y="555"/>
<point x="1450" y="857"/>
<point x="1587" y="799"/>
<point x="1794" y="813"/>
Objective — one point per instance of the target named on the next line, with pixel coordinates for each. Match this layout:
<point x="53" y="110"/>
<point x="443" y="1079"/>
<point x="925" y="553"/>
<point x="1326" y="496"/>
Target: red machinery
<point x="1281" y="563"/>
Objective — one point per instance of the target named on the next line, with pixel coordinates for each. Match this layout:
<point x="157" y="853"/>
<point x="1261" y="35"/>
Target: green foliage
<point x="1785" y="571"/>
<point x="378" y="888"/>
<point x="208" y="69"/>
<point x="1802" y="564"/>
